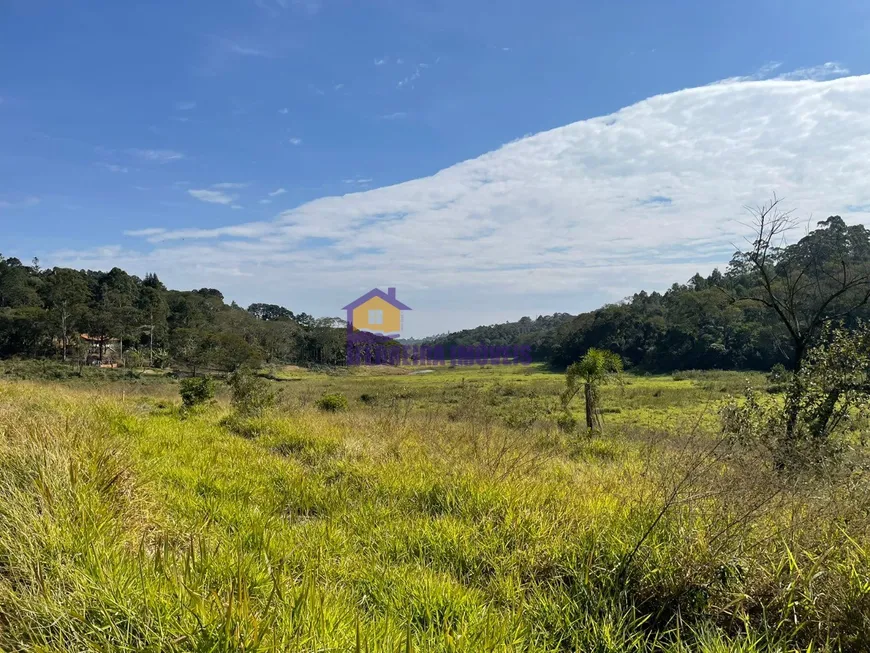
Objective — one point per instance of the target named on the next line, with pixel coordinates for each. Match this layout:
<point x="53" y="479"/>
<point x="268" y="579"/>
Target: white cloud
<point x="338" y="87"/>
<point x="265" y="201"/>
<point x="284" y="111"/>
<point x="211" y="196"/>
<point x="413" y="77"/>
<point x="275" y="193"/>
<point x="157" y="156"/>
<point x="295" y="141"/>
<point x="276" y="7"/>
<point x="188" y="105"/>
<point x="111" y="167"/>
<point x="25" y="203"/>
<point x="229" y="185"/>
<point x="381" y="62"/>
<point x="142" y="233"/>
<point x="310" y="7"/>
<point x="243" y="50"/>
<point x="828" y="70"/>
<point x="396" y="115"/>
<point x="562" y="220"/>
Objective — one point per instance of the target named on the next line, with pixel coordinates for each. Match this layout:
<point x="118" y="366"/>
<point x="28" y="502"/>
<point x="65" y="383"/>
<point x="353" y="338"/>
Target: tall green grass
<point x="127" y="524"/>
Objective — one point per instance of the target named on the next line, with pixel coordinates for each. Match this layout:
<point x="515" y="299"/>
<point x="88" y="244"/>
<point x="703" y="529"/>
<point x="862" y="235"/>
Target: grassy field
<point x="439" y="512"/>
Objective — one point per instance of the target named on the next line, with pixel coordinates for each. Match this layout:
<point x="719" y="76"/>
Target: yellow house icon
<point x="376" y="311"/>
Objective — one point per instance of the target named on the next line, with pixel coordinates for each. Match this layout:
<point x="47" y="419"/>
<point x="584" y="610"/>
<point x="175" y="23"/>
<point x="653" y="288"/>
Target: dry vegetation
<point x="440" y="512"/>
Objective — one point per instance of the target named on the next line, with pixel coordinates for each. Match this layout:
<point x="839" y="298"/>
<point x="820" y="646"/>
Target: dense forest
<point x="116" y="318"/>
<point x="721" y="321"/>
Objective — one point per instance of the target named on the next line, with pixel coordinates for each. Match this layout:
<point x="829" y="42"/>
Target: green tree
<point x="595" y="369"/>
<point x="835" y="381"/>
<point x="279" y="340"/>
<point x="154" y="311"/>
<point x="151" y="281"/>
<point x="66" y="295"/>
<point x="231" y="351"/>
<point x="834" y="398"/>
<point x="24" y="331"/>
<point x="326" y="340"/>
<point x="190" y="348"/>
<point x="19" y="285"/>
<point x="121" y="294"/>
<point x="270" y="312"/>
<point x="823" y="277"/>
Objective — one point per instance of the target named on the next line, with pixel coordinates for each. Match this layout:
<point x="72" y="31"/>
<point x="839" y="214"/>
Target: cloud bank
<point x="561" y="220"/>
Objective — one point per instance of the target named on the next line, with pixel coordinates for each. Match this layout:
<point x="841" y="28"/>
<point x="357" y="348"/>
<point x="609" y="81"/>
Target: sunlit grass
<point x="439" y="516"/>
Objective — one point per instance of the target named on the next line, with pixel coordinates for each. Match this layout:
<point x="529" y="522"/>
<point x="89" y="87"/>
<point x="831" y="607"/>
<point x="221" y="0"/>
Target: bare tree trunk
<point x="793" y="397"/>
<point x="590" y="406"/>
<point x="63" y="327"/>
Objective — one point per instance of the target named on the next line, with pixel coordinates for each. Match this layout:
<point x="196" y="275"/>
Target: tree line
<point x="766" y="308"/>
<point x="95" y="317"/>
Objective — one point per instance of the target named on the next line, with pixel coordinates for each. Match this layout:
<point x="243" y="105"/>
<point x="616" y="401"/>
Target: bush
<point x="778" y="374"/>
<point x="251" y="395"/>
<point x="332" y="403"/>
<point x="196" y="391"/>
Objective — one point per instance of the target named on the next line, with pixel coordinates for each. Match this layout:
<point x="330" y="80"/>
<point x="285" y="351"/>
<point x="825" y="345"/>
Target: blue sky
<point x="191" y="139"/>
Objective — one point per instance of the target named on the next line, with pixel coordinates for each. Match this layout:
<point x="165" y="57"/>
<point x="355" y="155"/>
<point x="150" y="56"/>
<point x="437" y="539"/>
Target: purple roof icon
<point x="389" y="297"/>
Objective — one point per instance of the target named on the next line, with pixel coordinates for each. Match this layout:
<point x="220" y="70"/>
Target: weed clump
<point x="332" y="403"/>
<point x="245" y="426"/>
<point x="566" y="422"/>
<point x="251" y="395"/>
<point x="196" y="391"/>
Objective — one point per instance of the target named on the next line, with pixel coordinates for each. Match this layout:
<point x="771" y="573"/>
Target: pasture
<point x="442" y="511"/>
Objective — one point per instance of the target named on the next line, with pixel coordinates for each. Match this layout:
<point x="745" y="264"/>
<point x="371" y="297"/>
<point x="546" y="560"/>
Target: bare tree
<point x="822" y="278"/>
<point x="808" y="284"/>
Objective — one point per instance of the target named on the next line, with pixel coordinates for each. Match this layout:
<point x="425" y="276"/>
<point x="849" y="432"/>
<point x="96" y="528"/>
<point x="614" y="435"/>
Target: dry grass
<point x="127" y="525"/>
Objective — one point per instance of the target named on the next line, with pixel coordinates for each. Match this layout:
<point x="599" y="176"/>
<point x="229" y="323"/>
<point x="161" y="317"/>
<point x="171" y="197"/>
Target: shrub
<point x="367" y="398"/>
<point x="332" y="403"/>
<point x="251" y="395"/>
<point x="778" y="374"/>
<point x="196" y="391"/>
